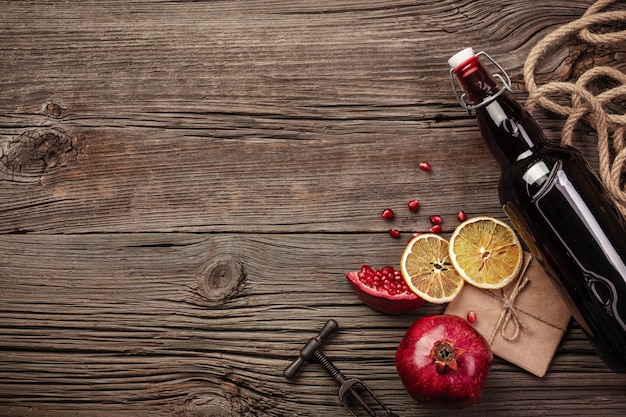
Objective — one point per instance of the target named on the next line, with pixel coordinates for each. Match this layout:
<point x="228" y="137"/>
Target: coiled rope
<point x="584" y="105"/>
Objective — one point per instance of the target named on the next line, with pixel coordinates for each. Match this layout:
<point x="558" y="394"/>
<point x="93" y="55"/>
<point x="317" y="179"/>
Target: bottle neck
<point x="508" y="129"/>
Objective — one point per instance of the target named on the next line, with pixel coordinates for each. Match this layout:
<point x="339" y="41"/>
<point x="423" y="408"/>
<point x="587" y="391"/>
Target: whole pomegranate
<point x="383" y="290"/>
<point x="443" y="361"/>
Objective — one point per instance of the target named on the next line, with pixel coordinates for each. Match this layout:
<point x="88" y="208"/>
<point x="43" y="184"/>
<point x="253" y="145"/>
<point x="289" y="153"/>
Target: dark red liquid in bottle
<point x="561" y="210"/>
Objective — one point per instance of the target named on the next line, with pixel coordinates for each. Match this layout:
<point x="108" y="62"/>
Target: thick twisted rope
<point x="585" y="106"/>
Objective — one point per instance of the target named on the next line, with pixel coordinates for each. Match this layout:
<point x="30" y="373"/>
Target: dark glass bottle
<point x="559" y="207"/>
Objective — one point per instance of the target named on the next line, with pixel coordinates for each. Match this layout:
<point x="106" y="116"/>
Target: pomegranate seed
<point x="416" y="234"/>
<point x="434" y="220"/>
<point x="471" y="317"/>
<point x="425" y="166"/>
<point x="461" y="216"/>
<point x="394" y="233"/>
<point x="388" y="214"/>
<point x="436" y="229"/>
<point x="414" y="205"/>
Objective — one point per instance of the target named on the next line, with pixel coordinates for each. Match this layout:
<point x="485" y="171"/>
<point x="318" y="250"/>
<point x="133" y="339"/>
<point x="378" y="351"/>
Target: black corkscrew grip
<point x="350" y="390"/>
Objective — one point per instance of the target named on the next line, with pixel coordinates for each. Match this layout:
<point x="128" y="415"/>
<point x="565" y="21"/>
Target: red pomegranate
<point x="443" y="361"/>
<point x="383" y="290"/>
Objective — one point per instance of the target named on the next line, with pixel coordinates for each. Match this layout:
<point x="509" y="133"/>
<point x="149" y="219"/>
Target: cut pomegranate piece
<point x="383" y="290"/>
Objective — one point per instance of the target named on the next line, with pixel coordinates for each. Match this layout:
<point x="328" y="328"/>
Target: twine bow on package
<point x="523" y="322"/>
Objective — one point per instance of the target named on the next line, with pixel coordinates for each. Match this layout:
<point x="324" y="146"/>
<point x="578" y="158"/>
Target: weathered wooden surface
<point x="184" y="185"/>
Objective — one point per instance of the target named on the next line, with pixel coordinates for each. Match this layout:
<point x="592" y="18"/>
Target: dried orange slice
<point x="486" y="252"/>
<point x="427" y="270"/>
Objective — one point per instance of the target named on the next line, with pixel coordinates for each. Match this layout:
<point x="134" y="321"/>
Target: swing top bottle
<point x="558" y="206"/>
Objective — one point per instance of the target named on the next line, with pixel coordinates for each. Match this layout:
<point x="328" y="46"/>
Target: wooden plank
<point x="124" y="323"/>
<point x="270" y="116"/>
<point x="111" y="183"/>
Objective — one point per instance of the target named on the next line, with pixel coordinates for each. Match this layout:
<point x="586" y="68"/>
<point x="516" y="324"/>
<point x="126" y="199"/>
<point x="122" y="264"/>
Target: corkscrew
<point x="350" y="390"/>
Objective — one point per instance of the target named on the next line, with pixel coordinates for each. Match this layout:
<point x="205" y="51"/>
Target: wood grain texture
<point x="185" y="183"/>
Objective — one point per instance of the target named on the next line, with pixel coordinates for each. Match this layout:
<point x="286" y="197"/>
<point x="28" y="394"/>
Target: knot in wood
<point x="54" y="110"/>
<point x="33" y="153"/>
<point x="221" y="279"/>
<point x="209" y="407"/>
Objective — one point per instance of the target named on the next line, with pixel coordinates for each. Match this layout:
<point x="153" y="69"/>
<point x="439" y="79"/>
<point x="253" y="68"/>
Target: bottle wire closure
<point x="350" y="390"/>
<point x="503" y="77"/>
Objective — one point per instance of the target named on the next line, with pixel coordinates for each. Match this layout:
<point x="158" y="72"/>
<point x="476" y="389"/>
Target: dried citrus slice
<point x="427" y="270"/>
<point x="486" y="252"/>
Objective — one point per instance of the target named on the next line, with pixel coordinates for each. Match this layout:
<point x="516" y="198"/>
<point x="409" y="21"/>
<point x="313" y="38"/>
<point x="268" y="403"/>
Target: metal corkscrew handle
<point x="308" y="351"/>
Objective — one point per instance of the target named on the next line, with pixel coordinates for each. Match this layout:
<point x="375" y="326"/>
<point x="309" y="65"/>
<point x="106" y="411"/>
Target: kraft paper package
<point x="523" y="322"/>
